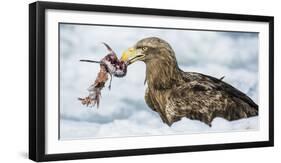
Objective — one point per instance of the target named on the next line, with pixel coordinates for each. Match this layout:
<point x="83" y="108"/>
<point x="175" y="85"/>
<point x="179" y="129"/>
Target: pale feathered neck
<point x="162" y="74"/>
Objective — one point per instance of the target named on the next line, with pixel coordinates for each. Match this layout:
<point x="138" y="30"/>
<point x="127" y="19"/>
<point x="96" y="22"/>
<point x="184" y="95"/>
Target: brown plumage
<point x="174" y="93"/>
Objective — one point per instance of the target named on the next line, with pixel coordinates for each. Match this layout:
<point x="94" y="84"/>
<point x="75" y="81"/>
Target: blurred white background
<point x="14" y="80"/>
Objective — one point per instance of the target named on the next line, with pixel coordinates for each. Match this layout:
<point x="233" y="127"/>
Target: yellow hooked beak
<point x="132" y="55"/>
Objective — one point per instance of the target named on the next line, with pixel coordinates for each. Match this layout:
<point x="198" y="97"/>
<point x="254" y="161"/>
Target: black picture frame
<point x="37" y="81"/>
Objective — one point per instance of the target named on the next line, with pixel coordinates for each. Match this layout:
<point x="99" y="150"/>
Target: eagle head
<point x="160" y="60"/>
<point x="149" y="50"/>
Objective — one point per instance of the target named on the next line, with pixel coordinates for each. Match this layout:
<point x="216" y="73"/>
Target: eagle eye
<point x="144" y="48"/>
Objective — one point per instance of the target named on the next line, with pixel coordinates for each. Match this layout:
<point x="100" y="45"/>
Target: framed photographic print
<point x="118" y="81"/>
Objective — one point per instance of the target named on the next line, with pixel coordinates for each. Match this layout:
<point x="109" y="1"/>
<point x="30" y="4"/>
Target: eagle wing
<point x="203" y="97"/>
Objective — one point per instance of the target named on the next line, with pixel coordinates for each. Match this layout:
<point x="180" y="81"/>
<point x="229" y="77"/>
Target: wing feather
<point x="204" y="97"/>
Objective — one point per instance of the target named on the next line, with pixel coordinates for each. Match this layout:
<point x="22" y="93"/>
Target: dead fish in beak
<point x="110" y="64"/>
